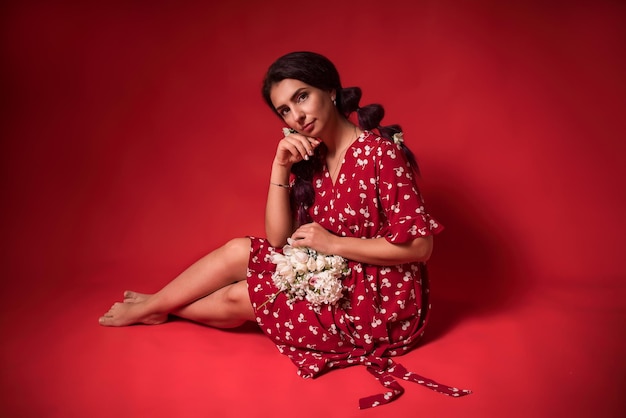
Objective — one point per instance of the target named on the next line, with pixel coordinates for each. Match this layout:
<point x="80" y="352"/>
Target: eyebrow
<point x="292" y="98"/>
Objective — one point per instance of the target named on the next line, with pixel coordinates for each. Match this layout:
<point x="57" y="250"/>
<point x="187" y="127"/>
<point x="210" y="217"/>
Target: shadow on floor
<point x="474" y="270"/>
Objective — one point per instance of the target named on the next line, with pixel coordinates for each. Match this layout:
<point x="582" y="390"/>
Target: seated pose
<point x="338" y="189"/>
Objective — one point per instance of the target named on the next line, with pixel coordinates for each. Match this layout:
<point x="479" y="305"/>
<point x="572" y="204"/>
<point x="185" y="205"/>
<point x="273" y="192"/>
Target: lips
<point x="308" y="127"/>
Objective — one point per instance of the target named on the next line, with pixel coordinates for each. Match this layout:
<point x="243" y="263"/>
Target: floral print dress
<point x="384" y="309"/>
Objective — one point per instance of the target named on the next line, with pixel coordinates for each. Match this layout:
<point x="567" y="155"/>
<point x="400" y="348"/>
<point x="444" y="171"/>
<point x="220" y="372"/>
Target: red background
<point x="134" y="140"/>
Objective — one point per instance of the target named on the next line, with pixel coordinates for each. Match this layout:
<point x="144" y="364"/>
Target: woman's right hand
<point x="294" y="148"/>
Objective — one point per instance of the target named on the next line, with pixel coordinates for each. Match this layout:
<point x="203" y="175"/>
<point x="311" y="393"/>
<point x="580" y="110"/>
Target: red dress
<point x="384" y="308"/>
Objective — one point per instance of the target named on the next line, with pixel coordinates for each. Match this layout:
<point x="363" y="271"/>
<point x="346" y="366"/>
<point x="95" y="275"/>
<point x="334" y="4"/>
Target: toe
<point x="130" y="296"/>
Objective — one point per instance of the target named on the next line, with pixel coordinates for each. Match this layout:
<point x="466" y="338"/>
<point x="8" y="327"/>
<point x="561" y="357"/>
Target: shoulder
<point x="372" y="139"/>
<point x="369" y="138"/>
<point x="377" y="147"/>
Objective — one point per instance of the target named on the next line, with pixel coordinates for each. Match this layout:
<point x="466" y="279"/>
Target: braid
<point x="348" y="100"/>
<point x="317" y="71"/>
<point x="302" y="195"/>
<point x="369" y="118"/>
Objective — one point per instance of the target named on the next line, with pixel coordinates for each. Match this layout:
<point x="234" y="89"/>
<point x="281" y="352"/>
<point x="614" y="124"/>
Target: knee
<point x="234" y="257"/>
<point x="234" y="295"/>
<point x="238" y="247"/>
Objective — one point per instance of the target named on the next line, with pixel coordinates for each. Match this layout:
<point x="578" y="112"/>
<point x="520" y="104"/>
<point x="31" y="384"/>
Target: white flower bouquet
<point x="305" y="274"/>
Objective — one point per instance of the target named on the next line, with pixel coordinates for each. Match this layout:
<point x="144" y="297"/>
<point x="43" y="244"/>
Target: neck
<point x="343" y="136"/>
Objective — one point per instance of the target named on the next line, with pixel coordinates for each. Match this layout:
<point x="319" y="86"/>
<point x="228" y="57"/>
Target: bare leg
<point x="227" y="307"/>
<point x="220" y="268"/>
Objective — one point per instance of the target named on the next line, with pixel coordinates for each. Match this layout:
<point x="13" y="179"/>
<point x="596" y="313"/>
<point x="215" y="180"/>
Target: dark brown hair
<point x="318" y="71"/>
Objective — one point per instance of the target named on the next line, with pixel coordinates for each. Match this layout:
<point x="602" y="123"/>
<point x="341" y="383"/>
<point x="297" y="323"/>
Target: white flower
<point x="288" y="131"/>
<point x="301" y="257"/>
<point x="320" y="263"/>
<point x="304" y="274"/>
<point x="398" y="138"/>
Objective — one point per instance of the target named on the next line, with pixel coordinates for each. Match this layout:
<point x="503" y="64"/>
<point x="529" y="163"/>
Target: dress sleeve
<point x="400" y="198"/>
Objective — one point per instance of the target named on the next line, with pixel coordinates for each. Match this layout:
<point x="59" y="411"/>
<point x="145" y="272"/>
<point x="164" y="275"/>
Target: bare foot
<point x="134" y="297"/>
<point x="127" y="313"/>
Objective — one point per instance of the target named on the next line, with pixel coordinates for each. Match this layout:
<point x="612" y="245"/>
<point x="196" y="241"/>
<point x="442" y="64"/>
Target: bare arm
<point x="278" y="216"/>
<point x="279" y="219"/>
<point x="376" y="251"/>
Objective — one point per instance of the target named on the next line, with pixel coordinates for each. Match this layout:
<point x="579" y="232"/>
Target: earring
<point x="334" y="101"/>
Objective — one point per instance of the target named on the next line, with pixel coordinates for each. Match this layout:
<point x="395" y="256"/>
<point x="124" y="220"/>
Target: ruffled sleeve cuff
<point x="407" y="228"/>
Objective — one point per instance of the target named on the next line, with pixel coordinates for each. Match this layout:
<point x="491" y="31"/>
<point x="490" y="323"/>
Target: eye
<point x="283" y="111"/>
<point x="302" y="97"/>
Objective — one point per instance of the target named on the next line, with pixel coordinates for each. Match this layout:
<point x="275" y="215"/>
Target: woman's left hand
<point x="314" y="236"/>
<point x="377" y="251"/>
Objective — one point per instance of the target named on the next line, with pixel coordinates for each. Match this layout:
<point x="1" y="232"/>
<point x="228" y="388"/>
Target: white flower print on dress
<point x="364" y="207"/>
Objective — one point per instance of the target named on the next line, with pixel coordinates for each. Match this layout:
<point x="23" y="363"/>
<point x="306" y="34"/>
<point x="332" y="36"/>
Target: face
<point x="304" y="108"/>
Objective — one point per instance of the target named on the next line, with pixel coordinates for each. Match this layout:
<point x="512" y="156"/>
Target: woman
<point x="336" y="188"/>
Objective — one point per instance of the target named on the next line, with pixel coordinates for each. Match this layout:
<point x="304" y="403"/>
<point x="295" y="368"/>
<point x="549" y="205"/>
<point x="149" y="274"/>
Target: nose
<point x="298" y="116"/>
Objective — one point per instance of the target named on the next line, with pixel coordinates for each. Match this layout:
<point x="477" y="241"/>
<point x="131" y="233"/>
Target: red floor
<point x="134" y="140"/>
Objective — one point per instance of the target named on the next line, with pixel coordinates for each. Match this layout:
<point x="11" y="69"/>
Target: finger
<point x="313" y="141"/>
<point x="309" y="142"/>
<point x="305" y="145"/>
<point x="298" y="243"/>
<point x="288" y="151"/>
<point x="301" y="145"/>
<point x="298" y="236"/>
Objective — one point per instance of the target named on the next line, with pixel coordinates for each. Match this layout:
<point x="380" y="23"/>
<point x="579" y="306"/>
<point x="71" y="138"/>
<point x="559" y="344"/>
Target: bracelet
<point x="286" y="186"/>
